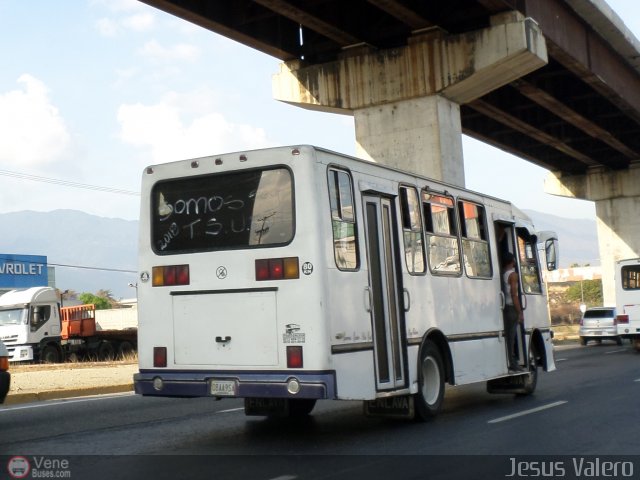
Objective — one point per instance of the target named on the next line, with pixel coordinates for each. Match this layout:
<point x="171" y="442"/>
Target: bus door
<point x="507" y="241"/>
<point x="384" y="294"/>
<point x="532" y="295"/>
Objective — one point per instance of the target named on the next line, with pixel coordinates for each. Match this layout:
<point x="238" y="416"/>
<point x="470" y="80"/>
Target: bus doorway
<point x="384" y="293"/>
<point x="507" y="243"/>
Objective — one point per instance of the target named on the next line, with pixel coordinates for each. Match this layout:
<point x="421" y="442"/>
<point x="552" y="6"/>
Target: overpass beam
<point x="406" y="101"/>
<point x="616" y="194"/>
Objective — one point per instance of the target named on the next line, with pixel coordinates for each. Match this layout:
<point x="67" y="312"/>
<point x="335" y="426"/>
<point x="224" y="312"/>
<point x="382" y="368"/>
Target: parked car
<point x="599" y="323"/>
<point x="5" y="376"/>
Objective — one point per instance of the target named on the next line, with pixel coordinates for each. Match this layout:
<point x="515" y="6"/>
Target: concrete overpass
<point x="554" y="82"/>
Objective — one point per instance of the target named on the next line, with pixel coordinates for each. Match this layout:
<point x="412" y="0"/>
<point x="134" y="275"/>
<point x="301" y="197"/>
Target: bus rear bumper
<point x="167" y="383"/>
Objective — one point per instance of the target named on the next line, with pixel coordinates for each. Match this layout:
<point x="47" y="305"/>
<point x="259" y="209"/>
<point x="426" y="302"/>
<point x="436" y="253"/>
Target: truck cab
<point x="30" y="324"/>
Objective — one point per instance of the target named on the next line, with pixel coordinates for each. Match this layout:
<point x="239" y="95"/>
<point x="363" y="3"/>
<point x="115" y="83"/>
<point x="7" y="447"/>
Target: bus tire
<point x="428" y="400"/>
<point x="301" y="407"/>
<point x="49" y="354"/>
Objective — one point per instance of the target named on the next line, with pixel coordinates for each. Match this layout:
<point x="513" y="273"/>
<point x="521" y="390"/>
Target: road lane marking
<point x="615" y="351"/>
<point x="231" y="410"/>
<point x="51" y="403"/>
<point x="561" y="359"/>
<point x="528" y="412"/>
<point x="638" y="380"/>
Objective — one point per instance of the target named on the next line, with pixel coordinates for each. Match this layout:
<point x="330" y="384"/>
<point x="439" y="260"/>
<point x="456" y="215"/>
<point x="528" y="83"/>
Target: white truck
<point x="628" y="300"/>
<point x="34" y="327"/>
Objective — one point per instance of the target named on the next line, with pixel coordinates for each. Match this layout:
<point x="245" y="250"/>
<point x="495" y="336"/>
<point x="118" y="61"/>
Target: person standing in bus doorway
<point x="513" y="315"/>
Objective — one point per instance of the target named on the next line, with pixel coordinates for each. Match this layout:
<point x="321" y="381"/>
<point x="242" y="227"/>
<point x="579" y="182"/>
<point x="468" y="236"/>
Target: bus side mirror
<point x="551" y="253"/>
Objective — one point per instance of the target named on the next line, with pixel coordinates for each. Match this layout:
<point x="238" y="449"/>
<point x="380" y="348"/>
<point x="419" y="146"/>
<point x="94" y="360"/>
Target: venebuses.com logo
<point x="38" y="467"/>
<point x="18" y="467"/>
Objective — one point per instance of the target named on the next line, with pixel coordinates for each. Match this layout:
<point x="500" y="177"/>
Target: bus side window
<point x="343" y="220"/>
<point x="442" y="234"/>
<point x="412" y="230"/>
<point x="529" y="271"/>
<point x="631" y="277"/>
<point x="475" y="241"/>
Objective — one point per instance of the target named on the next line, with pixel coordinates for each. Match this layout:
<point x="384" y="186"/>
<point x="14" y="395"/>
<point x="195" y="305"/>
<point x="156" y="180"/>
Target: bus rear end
<point x="229" y="303"/>
<point x="628" y="300"/>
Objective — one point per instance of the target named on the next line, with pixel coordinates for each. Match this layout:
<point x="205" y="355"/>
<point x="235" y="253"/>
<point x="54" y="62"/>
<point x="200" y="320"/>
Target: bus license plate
<point x="223" y="388"/>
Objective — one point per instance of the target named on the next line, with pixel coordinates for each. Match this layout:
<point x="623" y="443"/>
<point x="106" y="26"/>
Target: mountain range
<point x="89" y="253"/>
<point x="92" y="253"/>
<point x="578" y="238"/>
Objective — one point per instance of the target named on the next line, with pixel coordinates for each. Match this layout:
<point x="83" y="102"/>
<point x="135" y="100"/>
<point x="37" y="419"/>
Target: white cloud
<point x="120" y="5"/>
<point x="154" y="50"/>
<point x="107" y="27"/>
<point x="33" y="132"/>
<point x="124" y="15"/>
<point x="123" y="75"/>
<point x="139" y="22"/>
<point x="170" y="132"/>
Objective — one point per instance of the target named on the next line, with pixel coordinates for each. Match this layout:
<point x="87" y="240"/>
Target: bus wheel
<point x="301" y="407"/>
<point x="428" y="400"/>
<point x="49" y="354"/>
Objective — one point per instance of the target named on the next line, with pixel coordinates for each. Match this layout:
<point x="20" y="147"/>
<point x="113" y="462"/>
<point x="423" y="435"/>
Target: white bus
<point x="628" y="300"/>
<point x="287" y="275"/>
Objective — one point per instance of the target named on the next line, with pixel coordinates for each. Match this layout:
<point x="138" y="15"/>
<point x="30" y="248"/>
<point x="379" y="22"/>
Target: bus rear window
<point x="222" y="211"/>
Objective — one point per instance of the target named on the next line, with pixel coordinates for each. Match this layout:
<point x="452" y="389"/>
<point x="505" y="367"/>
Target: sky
<point x="92" y="91"/>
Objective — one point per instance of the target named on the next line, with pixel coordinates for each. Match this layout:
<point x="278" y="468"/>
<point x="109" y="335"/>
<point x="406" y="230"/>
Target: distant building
<point x="576" y="274"/>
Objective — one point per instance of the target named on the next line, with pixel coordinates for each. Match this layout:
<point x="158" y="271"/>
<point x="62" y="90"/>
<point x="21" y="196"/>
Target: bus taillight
<point x="170" y="275"/>
<point x="622" y="318"/>
<point x="277" y="269"/>
<point x="159" y="356"/>
<point x="294" y="356"/>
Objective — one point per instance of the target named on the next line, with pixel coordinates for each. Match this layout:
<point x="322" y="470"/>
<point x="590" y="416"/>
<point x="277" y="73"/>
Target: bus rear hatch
<point x="225" y="328"/>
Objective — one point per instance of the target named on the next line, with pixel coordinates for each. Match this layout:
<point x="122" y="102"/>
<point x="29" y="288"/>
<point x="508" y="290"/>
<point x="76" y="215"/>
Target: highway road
<point x="588" y="408"/>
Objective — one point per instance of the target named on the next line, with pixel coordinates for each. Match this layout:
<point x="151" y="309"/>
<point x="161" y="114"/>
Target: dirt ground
<point x="37" y="382"/>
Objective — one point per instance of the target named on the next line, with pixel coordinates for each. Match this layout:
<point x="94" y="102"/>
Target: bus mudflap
<point x="510" y="384"/>
<point x="401" y="406"/>
<point x="278" y="407"/>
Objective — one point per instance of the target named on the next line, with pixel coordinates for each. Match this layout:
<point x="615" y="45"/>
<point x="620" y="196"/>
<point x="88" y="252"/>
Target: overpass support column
<point x="406" y="100"/>
<point x="617" y="198"/>
<point x="421" y="135"/>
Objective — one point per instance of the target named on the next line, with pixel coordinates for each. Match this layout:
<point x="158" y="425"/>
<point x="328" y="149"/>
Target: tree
<point x="590" y="290"/>
<point x="101" y="303"/>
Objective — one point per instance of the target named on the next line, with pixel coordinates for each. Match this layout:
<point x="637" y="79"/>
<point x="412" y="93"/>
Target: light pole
<point x="583" y="307"/>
